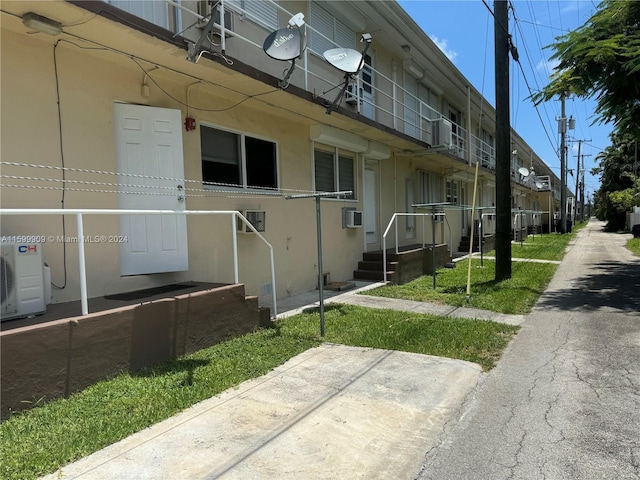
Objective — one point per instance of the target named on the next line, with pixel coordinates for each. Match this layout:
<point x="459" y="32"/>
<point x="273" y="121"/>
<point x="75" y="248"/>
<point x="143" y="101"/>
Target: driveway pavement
<point x="564" y="400"/>
<point x="333" y="412"/>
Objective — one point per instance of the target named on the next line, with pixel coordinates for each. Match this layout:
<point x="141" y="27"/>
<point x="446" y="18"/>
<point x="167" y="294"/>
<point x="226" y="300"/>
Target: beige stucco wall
<point x="90" y="82"/>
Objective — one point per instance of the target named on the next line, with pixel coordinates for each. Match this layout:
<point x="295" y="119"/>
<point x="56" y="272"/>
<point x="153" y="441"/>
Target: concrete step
<point x="376" y="265"/>
<point x="371" y="275"/>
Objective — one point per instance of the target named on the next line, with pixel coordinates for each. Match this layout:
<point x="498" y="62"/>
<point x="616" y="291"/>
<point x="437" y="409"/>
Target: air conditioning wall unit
<point x="204" y="10"/>
<point x="351" y="218"/>
<point x="21" y="280"/>
<point x="441" y="134"/>
<point x="257" y="218"/>
<point x="353" y="94"/>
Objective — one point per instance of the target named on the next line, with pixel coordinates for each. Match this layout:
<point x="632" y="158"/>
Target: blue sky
<point x="463" y="29"/>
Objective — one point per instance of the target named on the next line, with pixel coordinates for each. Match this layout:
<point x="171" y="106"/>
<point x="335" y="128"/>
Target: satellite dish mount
<point x="195" y="50"/>
<point x="348" y="61"/>
<point x="287" y="44"/>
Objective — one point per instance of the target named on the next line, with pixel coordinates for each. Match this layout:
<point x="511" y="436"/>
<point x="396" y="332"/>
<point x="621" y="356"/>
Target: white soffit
<point x="338" y="138"/>
<point x="377" y="151"/>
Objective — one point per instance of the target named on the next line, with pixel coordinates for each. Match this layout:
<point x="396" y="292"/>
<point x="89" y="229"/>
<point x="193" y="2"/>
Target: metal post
<point x="320" y="273"/>
<point x="396" y="231"/>
<point x="273" y="282"/>
<point x="433" y="244"/>
<point x="84" y="303"/>
<point x="234" y="236"/>
<point x="481" y="233"/>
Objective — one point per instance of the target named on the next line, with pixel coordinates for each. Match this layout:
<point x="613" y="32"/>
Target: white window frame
<point x="262" y="12"/>
<point x="337" y="154"/>
<point x="431" y="187"/>
<point x="452" y="191"/>
<point x="243" y="162"/>
<point x="326" y="24"/>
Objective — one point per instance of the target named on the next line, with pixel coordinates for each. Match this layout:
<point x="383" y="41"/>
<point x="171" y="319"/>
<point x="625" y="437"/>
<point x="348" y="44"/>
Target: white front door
<point x="151" y="175"/>
<point x="370" y="205"/>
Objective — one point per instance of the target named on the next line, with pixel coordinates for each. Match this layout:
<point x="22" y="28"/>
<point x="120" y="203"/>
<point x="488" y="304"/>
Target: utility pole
<point x="502" y="45"/>
<point x="562" y="126"/>
<point x="579" y="195"/>
<point x="582" y="193"/>
<point x="635" y="178"/>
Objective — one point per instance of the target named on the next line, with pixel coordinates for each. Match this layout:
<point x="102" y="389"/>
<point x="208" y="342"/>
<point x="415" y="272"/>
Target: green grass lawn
<point x="41" y="440"/>
<point x="548" y="246"/>
<point x="516" y="295"/>
<point x="634" y="245"/>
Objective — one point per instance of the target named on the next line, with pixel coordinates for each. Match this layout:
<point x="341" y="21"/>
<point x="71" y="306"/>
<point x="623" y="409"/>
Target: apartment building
<point x="176" y="106"/>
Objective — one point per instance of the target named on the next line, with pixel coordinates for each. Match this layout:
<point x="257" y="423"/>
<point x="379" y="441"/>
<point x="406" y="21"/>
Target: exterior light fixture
<point x="41" y="24"/>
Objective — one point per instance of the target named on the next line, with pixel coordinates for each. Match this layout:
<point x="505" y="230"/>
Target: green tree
<point x="601" y="59"/>
<point x="618" y="181"/>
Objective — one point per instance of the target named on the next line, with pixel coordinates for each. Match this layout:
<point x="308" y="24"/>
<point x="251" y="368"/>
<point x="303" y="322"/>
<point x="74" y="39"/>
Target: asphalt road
<point x="564" y="401"/>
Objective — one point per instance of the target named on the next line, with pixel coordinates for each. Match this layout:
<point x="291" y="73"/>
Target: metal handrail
<point x="392" y="221"/>
<point x="396" y="95"/>
<point x="79" y="212"/>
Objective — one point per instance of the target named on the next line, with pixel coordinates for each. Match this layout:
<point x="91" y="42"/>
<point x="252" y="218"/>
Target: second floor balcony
<point x="392" y="89"/>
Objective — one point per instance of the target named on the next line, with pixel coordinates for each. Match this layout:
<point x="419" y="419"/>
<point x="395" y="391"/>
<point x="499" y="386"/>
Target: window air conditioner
<point x="255" y="218"/>
<point x="21" y="280"/>
<point x="353" y="219"/>
<point x="441" y="133"/>
<point x="204" y="10"/>
<point x="353" y="95"/>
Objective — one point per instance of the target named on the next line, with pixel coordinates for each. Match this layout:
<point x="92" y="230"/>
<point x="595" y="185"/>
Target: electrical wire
<point x="60" y="138"/>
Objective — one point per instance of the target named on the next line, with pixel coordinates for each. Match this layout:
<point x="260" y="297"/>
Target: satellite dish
<point x="347" y="60"/>
<point x="539" y="185"/>
<point x="523" y="171"/>
<point x="283" y="44"/>
<point x="286" y="44"/>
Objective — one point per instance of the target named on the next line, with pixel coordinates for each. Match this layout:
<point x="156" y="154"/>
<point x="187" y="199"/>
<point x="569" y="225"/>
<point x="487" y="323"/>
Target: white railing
<point x="392" y="222"/>
<point x="401" y="116"/>
<point x="483" y="152"/>
<point x="87" y="211"/>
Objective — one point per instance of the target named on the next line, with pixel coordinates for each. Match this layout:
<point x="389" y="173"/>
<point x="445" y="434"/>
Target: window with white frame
<point x="452" y="191"/>
<point x="237" y="160"/>
<point x="264" y="12"/>
<point x="334" y="170"/>
<point x="149" y="10"/>
<point x="431" y="187"/>
<point x="411" y="107"/>
<point x="328" y="31"/>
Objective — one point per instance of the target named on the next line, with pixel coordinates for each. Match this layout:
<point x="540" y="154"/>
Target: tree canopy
<point x="619" y="183"/>
<point x="601" y="60"/>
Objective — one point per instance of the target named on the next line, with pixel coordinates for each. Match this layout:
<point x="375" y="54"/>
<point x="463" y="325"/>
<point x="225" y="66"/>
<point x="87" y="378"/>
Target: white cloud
<point x="442" y="45"/>
<point x="547" y="66"/>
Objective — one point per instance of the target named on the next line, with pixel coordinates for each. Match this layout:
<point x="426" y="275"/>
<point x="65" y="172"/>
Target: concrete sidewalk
<point x="332" y="412"/>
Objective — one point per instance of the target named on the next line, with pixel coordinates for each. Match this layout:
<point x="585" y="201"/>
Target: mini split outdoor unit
<point x="204" y="9"/>
<point x="441" y="132"/>
<point x="353" y="95"/>
<point x="22" y="279"/>
<point x="255" y="218"/>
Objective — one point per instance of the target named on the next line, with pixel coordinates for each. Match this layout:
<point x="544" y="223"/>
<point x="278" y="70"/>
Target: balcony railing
<point x="384" y="100"/>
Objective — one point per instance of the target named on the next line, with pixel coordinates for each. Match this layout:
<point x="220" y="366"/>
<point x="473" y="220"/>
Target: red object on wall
<point x="189" y="124"/>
